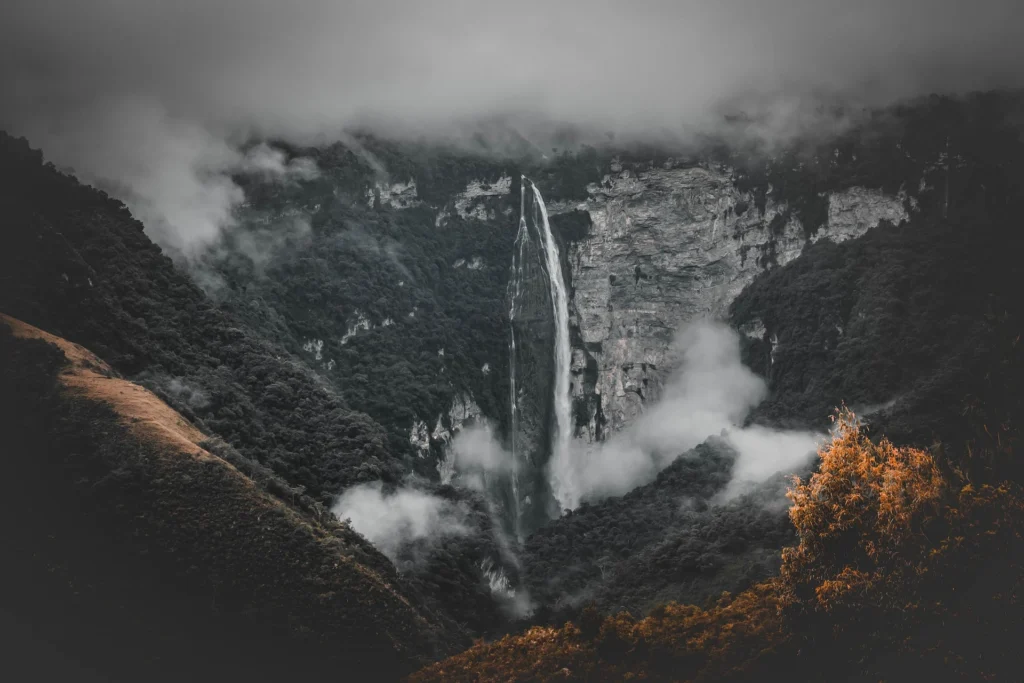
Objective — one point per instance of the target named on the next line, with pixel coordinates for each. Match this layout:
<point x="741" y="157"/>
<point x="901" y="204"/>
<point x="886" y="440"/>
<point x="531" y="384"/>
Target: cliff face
<point x="667" y="245"/>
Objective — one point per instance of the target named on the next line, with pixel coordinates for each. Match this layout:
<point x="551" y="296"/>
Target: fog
<point x="474" y="455"/>
<point x="710" y="394"/>
<point x="390" y="520"/>
<point x="153" y="100"/>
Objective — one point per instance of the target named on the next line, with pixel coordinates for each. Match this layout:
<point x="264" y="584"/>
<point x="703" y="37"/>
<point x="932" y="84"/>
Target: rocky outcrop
<point x="667" y="245"/>
<point x="463" y="412"/>
<point x="394" y="195"/>
<point x="480" y="200"/>
<point x="853" y="211"/>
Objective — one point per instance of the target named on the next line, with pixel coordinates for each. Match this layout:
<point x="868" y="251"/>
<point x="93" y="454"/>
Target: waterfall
<point x="515" y="286"/>
<point x="561" y="485"/>
<point x="561" y="440"/>
<point x="561" y="437"/>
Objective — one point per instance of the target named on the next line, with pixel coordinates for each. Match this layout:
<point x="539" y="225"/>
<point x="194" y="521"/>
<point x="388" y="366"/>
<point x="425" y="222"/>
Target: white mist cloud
<point x="174" y="174"/>
<point x="153" y="97"/>
<point x="390" y="520"/>
<point x="259" y="244"/>
<point x="474" y="454"/>
<point x="193" y="396"/>
<point x="710" y="394"/>
<point x="272" y="164"/>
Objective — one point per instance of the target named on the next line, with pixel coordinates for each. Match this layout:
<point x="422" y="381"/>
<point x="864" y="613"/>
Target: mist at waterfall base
<point x="409" y="523"/>
<point x="710" y="394"/>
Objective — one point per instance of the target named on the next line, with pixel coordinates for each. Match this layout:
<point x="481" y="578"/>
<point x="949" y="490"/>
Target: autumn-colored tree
<point x="866" y="510"/>
<point x="903" y="569"/>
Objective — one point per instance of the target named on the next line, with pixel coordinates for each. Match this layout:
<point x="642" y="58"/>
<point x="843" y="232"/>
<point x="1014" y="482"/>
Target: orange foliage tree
<point x="893" y="576"/>
<point x="865" y="512"/>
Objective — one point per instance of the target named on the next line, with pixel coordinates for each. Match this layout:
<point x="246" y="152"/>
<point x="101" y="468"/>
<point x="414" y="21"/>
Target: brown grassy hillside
<point x="135" y="551"/>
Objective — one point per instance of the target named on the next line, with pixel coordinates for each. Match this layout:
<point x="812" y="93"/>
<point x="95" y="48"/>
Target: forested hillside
<point x="76" y="263"/>
<point x="136" y="551"/>
<point x="910" y="324"/>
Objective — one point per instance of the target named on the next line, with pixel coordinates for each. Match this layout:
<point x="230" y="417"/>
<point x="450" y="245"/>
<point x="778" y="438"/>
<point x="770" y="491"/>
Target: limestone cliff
<point x="666" y="245"/>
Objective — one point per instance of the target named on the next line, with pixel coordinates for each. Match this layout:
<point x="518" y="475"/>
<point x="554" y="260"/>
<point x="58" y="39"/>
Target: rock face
<point x="667" y="245"/>
<point x="463" y="412"/>
<point x="394" y="195"/>
<point x="477" y="201"/>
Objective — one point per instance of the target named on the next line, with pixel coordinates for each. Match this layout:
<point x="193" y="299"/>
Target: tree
<point x="865" y="510"/>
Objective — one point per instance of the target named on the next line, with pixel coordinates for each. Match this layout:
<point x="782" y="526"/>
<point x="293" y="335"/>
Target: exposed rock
<point x="852" y="212"/>
<point x="361" y="323"/>
<point x="668" y="245"/>
<point x="394" y="195"/>
<point x="755" y="329"/>
<point x="316" y="347"/>
<point x="475" y="263"/>
<point x="464" y="411"/>
<point x="419" y="437"/>
<point x="478" y="201"/>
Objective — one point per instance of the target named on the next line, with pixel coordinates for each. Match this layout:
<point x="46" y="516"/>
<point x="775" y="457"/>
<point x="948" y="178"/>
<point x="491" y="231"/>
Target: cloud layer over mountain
<point x="152" y="98"/>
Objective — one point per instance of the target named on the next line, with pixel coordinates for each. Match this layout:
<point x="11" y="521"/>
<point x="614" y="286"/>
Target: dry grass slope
<point x="211" y="531"/>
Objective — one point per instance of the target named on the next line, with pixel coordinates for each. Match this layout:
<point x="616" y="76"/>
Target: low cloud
<point x="273" y="164"/>
<point x="474" y="455"/>
<point x="193" y="396"/>
<point x="174" y="174"/>
<point x="393" y="519"/>
<point x="710" y="394"/>
<point x="357" y="237"/>
<point x="155" y="100"/>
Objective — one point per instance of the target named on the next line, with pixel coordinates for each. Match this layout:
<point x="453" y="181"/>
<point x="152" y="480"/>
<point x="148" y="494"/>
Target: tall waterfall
<point x="562" y="431"/>
<point x="515" y="286"/>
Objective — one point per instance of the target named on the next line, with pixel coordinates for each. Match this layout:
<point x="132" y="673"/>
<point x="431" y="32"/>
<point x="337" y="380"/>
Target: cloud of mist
<point x="174" y="174"/>
<point x="192" y="396"/>
<point x="390" y="520"/>
<point x="154" y="100"/>
<point x="710" y="394"/>
<point x="384" y="248"/>
<point x="474" y="454"/>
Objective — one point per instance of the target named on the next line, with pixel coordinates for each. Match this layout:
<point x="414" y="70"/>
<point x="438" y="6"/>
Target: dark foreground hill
<point x="135" y="553"/>
<point x="901" y="572"/>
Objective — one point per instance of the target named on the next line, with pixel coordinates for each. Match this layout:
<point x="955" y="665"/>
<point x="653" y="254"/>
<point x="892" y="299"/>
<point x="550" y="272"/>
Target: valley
<point x="494" y="391"/>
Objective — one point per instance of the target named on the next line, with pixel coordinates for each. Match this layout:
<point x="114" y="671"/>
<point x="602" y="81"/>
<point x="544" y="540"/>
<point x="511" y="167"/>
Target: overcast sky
<point x="152" y="96"/>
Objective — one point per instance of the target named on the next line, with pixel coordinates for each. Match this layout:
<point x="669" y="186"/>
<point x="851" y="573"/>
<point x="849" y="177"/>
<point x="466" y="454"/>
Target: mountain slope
<point x="75" y="262"/>
<point x="901" y="572"/>
<point x="141" y="554"/>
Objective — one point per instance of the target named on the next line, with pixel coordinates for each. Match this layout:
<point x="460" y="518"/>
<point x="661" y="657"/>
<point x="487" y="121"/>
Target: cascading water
<point x="515" y="286"/>
<point x="562" y="428"/>
<point x="561" y="441"/>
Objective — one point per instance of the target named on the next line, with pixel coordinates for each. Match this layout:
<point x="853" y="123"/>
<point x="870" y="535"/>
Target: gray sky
<point x="152" y="96"/>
